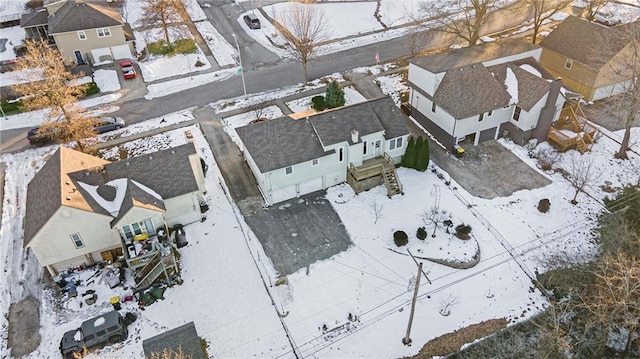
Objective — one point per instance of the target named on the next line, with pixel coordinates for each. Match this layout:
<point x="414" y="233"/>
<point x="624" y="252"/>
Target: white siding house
<point x="290" y="158"/>
<point x="484" y="92"/>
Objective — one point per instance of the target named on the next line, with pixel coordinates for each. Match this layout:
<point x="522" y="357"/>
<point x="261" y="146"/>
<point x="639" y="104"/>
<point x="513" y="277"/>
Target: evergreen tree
<point x="334" y="96"/>
<point x="422" y="157"/>
<point x="409" y="154"/>
<point x="416" y="151"/>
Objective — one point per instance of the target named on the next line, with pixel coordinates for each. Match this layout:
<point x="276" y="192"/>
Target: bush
<point x="421" y="233"/>
<point x="409" y="157"/>
<point x="10" y="107"/>
<point x="463" y="231"/>
<point x="400" y="238"/>
<point x="544" y="205"/>
<point x="92" y="89"/>
<point x="547" y="158"/>
<point x="317" y="103"/>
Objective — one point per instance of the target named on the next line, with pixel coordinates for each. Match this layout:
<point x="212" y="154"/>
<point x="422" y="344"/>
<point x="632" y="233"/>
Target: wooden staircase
<point x="391" y="180"/>
<point x="150" y="267"/>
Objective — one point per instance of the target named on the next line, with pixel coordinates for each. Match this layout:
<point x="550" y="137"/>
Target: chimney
<point x="354" y="135"/>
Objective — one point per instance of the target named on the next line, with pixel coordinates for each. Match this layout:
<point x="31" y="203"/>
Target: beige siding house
<point x="574" y="51"/>
<point x="80" y="207"/>
<point x="84" y="31"/>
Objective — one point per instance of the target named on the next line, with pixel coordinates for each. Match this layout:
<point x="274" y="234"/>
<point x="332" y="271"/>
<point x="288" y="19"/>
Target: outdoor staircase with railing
<point x="391" y="181"/>
<point x="148" y="268"/>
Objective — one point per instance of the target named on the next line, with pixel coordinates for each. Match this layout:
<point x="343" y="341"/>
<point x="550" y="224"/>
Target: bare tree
<point x="445" y="304"/>
<point x="465" y="23"/>
<point x="581" y="174"/>
<point x="165" y="14"/>
<point x="620" y="47"/>
<point x="542" y="10"/>
<point x="304" y="28"/>
<point x="612" y="302"/>
<point x="592" y="7"/>
<point x="433" y="217"/>
<point x="377" y="211"/>
<point x="46" y="84"/>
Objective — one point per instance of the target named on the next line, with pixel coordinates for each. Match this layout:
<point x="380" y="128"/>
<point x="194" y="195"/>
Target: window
<point x="395" y="143"/>
<point x="364" y="147"/>
<point x="136" y="229"/>
<point x="82" y="35"/>
<point x="315" y="162"/>
<point x="516" y="114"/>
<point x="433" y="107"/>
<point x="489" y="113"/>
<point x="103" y="32"/>
<point x="340" y="155"/>
<point x="288" y="170"/>
<point x="77" y="241"/>
<point x="481" y="117"/>
<point x="568" y="64"/>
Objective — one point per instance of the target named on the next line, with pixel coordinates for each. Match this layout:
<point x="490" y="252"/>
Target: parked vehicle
<point x="107" y="328"/>
<point x="252" y="21"/>
<point x="127" y="69"/>
<point x="102" y="125"/>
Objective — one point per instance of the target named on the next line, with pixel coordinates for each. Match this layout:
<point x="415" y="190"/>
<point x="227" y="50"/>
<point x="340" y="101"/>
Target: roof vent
<point x="173" y="152"/>
<point x="68" y="198"/>
<point x="127" y="163"/>
<point x="150" y="158"/>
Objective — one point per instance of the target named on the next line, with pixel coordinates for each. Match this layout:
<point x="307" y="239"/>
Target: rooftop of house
<point x="74" y="179"/>
<point x="283" y="142"/>
<point x="183" y="339"/>
<point x="77" y="15"/>
<point x="589" y="43"/>
<point x="466" y="56"/>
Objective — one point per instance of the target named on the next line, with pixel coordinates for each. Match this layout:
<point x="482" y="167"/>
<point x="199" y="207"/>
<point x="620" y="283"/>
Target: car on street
<point x="102" y="125"/>
<point x="252" y="21"/>
<point x="127" y="69"/>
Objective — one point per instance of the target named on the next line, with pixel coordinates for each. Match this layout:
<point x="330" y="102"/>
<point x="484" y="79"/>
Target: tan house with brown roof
<point x="84" y="31"/>
<point x="470" y="95"/>
<point x="80" y="207"/>
<point x="574" y="51"/>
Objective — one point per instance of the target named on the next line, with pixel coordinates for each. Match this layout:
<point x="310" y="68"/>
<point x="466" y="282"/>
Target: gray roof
<point x="283" y="142"/>
<point x="531" y="88"/>
<point x="182" y="339"/>
<point x="34" y="18"/>
<point x="469" y="91"/>
<point x="466" y="56"/>
<point x="280" y="142"/>
<point x="42" y="202"/>
<point x="580" y="40"/>
<point x="167" y="172"/>
<point x="77" y="15"/>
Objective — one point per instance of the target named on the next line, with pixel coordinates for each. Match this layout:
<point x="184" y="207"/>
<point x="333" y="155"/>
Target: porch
<point x="572" y="130"/>
<point x="374" y="172"/>
<point x="150" y="259"/>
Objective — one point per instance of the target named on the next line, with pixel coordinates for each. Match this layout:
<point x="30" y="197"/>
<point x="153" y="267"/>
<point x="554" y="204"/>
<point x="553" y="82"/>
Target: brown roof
<point x="466" y="56"/>
<point x="77" y="15"/>
<point x="581" y="40"/>
<point x="52" y="188"/>
<point x="531" y="88"/>
<point x="469" y="91"/>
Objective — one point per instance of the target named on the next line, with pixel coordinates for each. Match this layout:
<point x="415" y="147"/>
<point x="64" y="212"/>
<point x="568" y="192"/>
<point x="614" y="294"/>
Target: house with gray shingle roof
<point x="470" y="95"/>
<point x="292" y="157"/>
<point x="83" y="30"/>
<point x="576" y="52"/>
<point x="80" y="206"/>
<point x="179" y="342"/>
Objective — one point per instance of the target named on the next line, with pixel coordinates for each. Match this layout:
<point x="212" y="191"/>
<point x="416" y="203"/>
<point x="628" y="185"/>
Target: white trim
<point x="106" y="32"/>
<point x="82" y="35"/>
<point x="77" y="242"/>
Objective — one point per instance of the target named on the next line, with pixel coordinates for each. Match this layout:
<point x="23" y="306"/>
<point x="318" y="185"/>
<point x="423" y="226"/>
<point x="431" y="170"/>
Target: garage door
<point x="487" y="135"/>
<point x="607" y="91"/>
<point x="101" y="55"/>
<point x="310" y="186"/>
<point x="283" y="194"/>
<point x="121" y="52"/>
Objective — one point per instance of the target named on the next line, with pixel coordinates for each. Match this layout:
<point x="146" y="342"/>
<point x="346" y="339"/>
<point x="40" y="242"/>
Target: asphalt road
<point x="264" y="71"/>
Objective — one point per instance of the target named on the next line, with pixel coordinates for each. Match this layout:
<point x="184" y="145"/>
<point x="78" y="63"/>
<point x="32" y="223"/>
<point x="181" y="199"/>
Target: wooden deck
<point x="372" y="173"/>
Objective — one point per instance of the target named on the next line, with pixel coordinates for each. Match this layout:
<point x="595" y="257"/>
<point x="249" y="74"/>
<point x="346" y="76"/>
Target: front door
<point x="377" y="148"/>
<point x="79" y="59"/>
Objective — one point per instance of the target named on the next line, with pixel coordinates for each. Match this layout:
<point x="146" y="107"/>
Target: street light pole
<point x="244" y="86"/>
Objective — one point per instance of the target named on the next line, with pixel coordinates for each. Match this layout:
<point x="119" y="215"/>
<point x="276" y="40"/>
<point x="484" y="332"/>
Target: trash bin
<point x="115" y="301"/>
<point x="458" y="151"/>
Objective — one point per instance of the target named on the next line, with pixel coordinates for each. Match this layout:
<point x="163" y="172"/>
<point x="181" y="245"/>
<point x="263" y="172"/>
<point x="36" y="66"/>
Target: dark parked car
<point x="102" y="125"/>
<point x="252" y="21"/>
<point x="108" y="328"/>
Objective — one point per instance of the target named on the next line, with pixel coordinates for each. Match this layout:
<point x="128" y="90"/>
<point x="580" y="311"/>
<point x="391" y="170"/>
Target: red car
<point x="127" y="69"/>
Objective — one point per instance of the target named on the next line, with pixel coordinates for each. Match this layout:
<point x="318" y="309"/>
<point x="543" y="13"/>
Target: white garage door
<point x="101" y="55"/>
<point x="611" y="90"/>
<point x="310" y="186"/>
<point x="121" y="52"/>
<point x="283" y="194"/>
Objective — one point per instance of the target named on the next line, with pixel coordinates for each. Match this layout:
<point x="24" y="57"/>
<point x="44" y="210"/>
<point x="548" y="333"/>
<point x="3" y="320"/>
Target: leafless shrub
<point x="547" y="158"/>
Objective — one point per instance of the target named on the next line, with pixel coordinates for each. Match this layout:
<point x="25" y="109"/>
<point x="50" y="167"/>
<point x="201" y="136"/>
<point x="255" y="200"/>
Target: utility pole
<point x="241" y="70"/>
<point x="407" y="340"/>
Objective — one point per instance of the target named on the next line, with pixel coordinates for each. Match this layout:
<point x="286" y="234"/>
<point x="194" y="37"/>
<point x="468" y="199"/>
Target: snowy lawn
<point x="351" y="96"/>
<point x="13" y="36"/>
